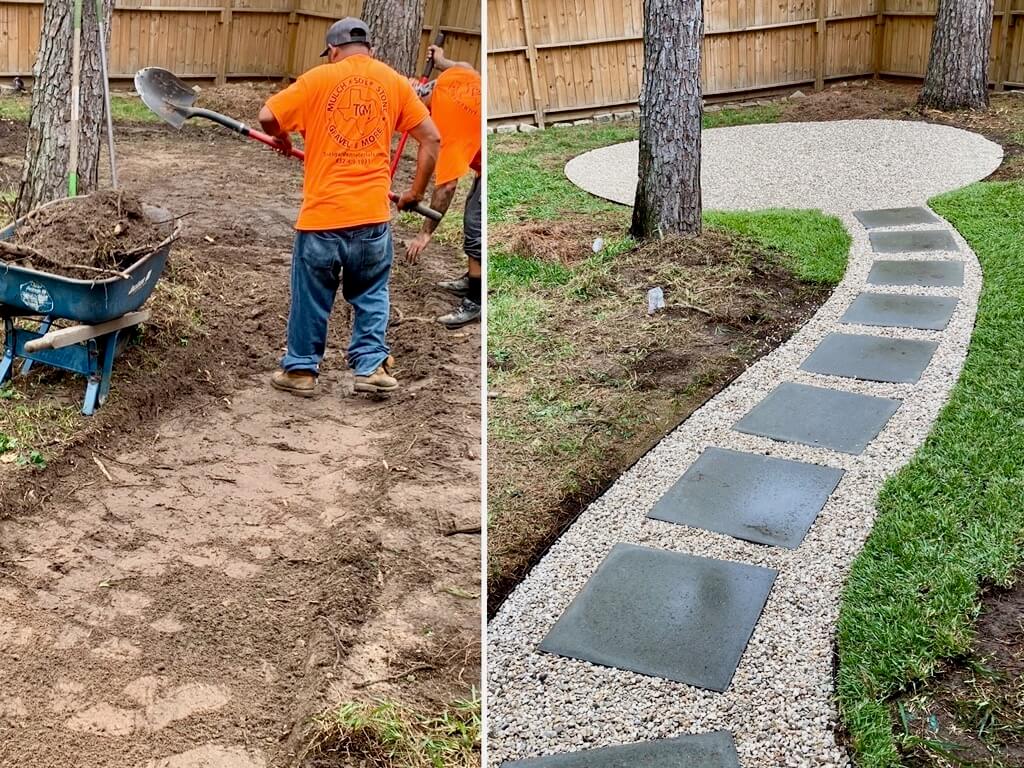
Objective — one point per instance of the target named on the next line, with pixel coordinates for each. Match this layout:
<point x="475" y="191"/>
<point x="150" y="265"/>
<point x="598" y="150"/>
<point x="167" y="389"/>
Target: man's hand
<point x="407" y="199"/>
<point x="436" y="54"/>
<point x="442" y="62"/>
<point x="284" y="144"/>
<point x="416" y="247"/>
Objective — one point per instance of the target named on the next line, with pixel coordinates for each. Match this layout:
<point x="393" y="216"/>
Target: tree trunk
<point x="671" y="106"/>
<point x="47" y="156"/>
<point x="957" y="76"/>
<point x="396" y="27"/>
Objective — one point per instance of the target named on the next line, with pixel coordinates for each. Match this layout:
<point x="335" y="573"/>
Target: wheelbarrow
<point x="105" y="312"/>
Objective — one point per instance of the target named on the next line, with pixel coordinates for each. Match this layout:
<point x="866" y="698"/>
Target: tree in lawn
<point x="396" y="27"/>
<point x="48" y="153"/>
<point x="957" y="76"/>
<point x="668" y="192"/>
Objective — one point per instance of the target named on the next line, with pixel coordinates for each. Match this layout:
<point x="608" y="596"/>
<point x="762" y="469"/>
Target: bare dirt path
<point x="253" y="557"/>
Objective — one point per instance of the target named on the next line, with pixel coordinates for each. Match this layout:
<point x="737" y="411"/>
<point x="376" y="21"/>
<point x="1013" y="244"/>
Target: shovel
<point x="172" y="102"/>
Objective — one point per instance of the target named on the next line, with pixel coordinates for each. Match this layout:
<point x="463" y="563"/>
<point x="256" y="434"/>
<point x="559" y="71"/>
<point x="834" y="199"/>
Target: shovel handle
<point x="422" y="209"/>
<point x="239" y="127"/>
<point x="270" y="141"/>
<point x="428" y="67"/>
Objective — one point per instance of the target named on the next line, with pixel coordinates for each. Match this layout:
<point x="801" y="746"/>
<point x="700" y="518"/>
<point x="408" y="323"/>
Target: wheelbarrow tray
<point x="26" y="291"/>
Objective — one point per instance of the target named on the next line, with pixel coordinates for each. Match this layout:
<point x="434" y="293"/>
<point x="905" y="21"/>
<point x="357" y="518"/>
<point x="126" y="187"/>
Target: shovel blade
<point x="164" y="93"/>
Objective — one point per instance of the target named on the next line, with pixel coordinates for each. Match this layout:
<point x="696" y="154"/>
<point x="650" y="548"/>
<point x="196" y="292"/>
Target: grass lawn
<point x="524" y="171"/>
<point x="582" y="381"/>
<point x="122" y="108"/>
<point x="952" y="520"/>
<point x="384" y="734"/>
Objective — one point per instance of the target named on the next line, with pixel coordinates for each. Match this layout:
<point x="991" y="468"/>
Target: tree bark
<point x="957" y="76"/>
<point x="671" y="106"/>
<point x="396" y="27"/>
<point x="47" y="155"/>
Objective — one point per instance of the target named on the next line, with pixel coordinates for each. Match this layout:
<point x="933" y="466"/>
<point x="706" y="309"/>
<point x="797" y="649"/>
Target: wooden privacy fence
<point x="218" y="39"/>
<point x="559" y="59"/>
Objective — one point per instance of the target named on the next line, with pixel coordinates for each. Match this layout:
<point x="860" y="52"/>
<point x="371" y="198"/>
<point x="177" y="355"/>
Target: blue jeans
<point x="358" y="260"/>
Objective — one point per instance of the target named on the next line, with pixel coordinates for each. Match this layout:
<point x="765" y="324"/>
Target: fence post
<point x="879" y="39"/>
<point x="820" y="39"/>
<point x="531" y="55"/>
<point x="225" y="41"/>
<point x="1002" y="62"/>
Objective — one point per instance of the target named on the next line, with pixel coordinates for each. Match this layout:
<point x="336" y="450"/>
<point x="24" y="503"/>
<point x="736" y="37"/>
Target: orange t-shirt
<point x="455" y="107"/>
<point x="347" y="112"/>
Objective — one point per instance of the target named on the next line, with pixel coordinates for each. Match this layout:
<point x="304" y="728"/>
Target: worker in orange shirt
<point x="454" y="102"/>
<point x="346" y="111"/>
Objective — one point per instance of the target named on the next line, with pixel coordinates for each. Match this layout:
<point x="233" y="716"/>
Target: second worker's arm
<point x="440" y="201"/>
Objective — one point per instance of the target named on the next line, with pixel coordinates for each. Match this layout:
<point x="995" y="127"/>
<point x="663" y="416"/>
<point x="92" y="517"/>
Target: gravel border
<point x="779" y="705"/>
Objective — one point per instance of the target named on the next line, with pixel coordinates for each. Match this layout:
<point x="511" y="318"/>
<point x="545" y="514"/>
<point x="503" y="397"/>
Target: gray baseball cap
<point x="348" y="30"/>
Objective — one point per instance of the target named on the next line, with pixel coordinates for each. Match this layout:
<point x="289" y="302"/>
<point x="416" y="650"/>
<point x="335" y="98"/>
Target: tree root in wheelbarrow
<point x="88" y="238"/>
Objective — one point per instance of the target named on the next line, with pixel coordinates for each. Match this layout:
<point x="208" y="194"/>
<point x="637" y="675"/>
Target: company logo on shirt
<point x="357" y="113"/>
<point x="466" y="95"/>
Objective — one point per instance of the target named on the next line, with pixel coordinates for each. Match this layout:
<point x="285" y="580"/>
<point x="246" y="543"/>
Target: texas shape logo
<point x="357" y="112"/>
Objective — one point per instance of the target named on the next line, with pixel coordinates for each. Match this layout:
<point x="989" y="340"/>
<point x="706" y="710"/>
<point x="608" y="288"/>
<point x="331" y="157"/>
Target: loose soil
<point x="577" y="419"/>
<point x="973" y="711"/>
<point x="90" y="237"/>
<point x="252" y="558"/>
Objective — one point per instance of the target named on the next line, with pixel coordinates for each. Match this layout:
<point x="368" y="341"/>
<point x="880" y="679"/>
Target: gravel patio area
<point x="778" y="704"/>
<point x="837" y="166"/>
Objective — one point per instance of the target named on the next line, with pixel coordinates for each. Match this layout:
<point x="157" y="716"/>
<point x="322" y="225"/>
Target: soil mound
<point x="92" y="237"/>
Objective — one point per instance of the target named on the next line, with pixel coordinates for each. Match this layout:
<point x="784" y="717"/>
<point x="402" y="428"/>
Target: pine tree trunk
<point x="396" y="27"/>
<point x="47" y="156"/>
<point x="957" y="76"/>
<point x="668" y="191"/>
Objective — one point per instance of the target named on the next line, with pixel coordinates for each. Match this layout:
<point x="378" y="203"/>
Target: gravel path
<point x="779" y="705"/>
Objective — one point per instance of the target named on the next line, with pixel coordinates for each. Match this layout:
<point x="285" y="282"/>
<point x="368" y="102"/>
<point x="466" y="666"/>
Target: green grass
<point x="815" y="245"/>
<point x="525" y="171"/>
<point x="122" y="109"/>
<point x="385" y="735"/>
<point x="746" y="116"/>
<point x="30" y="430"/>
<point x="952" y="520"/>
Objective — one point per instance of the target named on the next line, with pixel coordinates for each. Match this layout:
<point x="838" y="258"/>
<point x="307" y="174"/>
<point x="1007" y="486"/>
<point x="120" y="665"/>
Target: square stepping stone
<point x="704" y="750"/>
<point x="752" y="497"/>
<point x="930" y="313"/>
<point x="896" y="217"/>
<point x="913" y="241"/>
<point x="871" y="358"/>
<point x="824" y="418"/>
<point x="664" y="614"/>
<point x="943" y="274"/>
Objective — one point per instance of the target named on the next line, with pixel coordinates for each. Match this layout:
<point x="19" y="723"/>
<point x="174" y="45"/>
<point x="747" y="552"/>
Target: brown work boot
<point x="378" y="381"/>
<point x="298" y="383"/>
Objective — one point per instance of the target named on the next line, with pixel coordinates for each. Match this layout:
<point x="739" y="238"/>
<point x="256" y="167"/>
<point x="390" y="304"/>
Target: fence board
<point x="590" y="52"/>
<point x="189" y="36"/>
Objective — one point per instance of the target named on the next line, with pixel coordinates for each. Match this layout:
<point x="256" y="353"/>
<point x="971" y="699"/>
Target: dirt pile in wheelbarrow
<point x="93" y="237"/>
